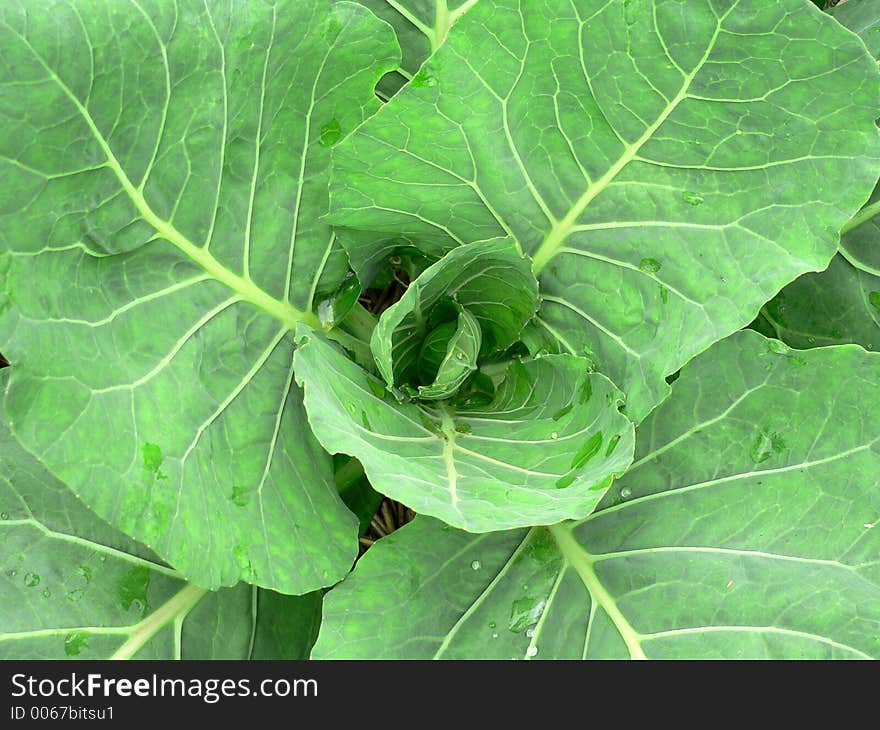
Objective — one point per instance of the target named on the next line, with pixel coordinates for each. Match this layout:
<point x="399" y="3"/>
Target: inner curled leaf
<point x="460" y="342"/>
<point x="469" y="306"/>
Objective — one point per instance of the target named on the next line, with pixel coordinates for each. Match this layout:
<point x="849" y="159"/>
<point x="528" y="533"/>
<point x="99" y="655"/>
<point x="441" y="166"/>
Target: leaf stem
<point x="863" y="216"/>
<point x="362" y="352"/>
<point x="582" y="562"/>
<point x="178" y="606"/>
<point x="359" y="322"/>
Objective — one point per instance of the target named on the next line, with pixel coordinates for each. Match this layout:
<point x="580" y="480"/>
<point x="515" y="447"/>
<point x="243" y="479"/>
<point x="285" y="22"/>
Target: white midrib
<point x="556" y="237"/>
<point x="243" y="286"/>
<point x="582" y="562"/>
<point x="447" y="426"/>
<point x="174" y="609"/>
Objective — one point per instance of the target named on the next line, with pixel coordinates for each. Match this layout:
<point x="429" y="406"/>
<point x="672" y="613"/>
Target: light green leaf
<point x="862" y="17"/>
<point x="491" y="279"/>
<point x="421" y="26"/>
<point x="748" y="527"/>
<point x="72" y="587"/>
<point x="459" y="361"/>
<point x="836" y="306"/>
<point x="544" y="450"/>
<point x="164" y="169"/>
<point x="669" y="165"/>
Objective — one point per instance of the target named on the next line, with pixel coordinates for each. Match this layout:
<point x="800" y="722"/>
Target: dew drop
<point x="330" y="133"/>
<point x="240" y="495"/>
<point x="12" y="573"/>
<point x="47" y="593"/>
<point x="692" y="198"/>
<point x="765" y="445"/>
<point x="75" y="595"/>
<point x="326" y="313"/>
<point x="459" y="356"/>
<point x="554" y="435"/>
<point x="532" y="651"/>
<point x="4" y="515"/>
<point x="352" y="408"/>
<point x="103" y="558"/>
<point x="492" y="624"/>
<point x="494" y="634"/>
<point x="530" y="633"/>
<point x="626" y="493"/>
<point x="31" y="580"/>
<point x="649" y="266"/>
<point x="75" y="642"/>
<point x="476" y="565"/>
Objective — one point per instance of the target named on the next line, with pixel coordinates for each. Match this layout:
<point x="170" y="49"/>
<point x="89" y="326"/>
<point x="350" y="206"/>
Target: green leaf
<point x="459" y="360"/>
<point x="164" y="169"/>
<point x="421" y="26"/>
<point x="72" y="587"/>
<point x="491" y="279"/>
<point x="861" y="17"/>
<point x="669" y="165"/>
<point x="861" y="244"/>
<point x="543" y="450"/>
<point x="836" y="306"/>
<point x="748" y="527"/>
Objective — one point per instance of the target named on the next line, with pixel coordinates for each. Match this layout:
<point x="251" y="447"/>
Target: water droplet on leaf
<point x="765" y="445"/>
<point x="330" y="133"/>
<point x="626" y="493"/>
<point x="692" y="198"/>
<point x="31" y="579"/>
<point x="476" y="565"/>
<point x="532" y="651"/>
<point x="75" y="642"/>
<point x="649" y="266"/>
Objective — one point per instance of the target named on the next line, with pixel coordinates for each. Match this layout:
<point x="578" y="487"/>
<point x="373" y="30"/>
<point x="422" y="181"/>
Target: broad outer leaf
<point x="72" y="587"/>
<point x="163" y="171"/>
<point x="544" y="450"/>
<point x="836" y="306"/>
<point x="491" y="279"/>
<point x="862" y="17"/>
<point x="745" y="529"/>
<point x="669" y="165"/>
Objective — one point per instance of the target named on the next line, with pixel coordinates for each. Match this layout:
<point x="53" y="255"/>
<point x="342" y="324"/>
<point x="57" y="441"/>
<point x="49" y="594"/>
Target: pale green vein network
<point x="582" y="562"/>
<point x="560" y="231"/>
<point x="242" y="285"/>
